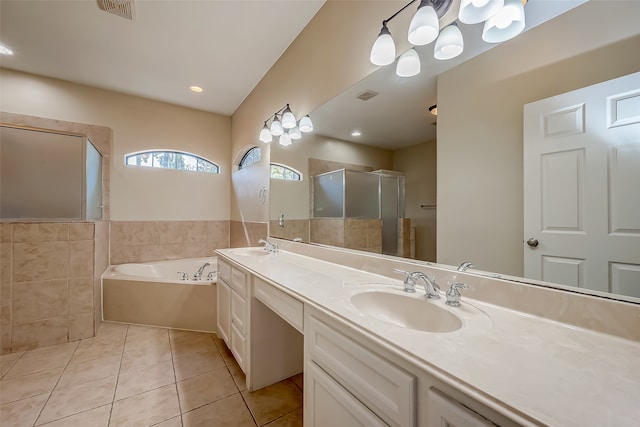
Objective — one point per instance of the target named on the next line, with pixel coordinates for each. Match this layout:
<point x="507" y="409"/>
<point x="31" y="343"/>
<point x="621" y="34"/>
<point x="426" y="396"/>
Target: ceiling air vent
<point x="123" y="8"/>
<point x="367" y="95"/>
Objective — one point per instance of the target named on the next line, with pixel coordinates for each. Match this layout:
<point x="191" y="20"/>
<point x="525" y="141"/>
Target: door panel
<point x="581" y="194"/>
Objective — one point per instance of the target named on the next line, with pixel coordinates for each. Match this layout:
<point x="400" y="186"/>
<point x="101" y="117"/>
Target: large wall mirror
<point x="394" y="131"/>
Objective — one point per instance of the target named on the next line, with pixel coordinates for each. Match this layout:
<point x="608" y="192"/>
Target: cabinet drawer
<point x="378" y="383"/>
<point x="238" y="281"/>
<point x="224" y="271"/>
<point x="238" y="311"/>
<point x="287" y="307"/>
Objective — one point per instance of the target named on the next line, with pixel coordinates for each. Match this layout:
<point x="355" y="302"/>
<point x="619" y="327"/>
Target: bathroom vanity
<point x="374" y="355"/>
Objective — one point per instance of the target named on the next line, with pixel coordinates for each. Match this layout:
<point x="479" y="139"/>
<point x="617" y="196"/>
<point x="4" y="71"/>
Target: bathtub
<point x="155" y="294"/>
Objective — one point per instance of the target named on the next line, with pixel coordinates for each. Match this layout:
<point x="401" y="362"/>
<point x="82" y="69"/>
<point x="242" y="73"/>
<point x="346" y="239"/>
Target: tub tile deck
<point x="139" y="376"/>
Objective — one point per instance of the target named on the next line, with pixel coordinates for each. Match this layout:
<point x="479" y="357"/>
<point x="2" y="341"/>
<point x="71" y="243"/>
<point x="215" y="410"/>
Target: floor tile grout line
<point x="12" y="365"/>
<point x="56" y="384"/>
<point x="118" y="376"/>
<point x="175" y="379"/>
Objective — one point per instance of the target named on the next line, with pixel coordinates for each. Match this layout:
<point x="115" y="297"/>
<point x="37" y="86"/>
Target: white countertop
<point x="557" y="374"/>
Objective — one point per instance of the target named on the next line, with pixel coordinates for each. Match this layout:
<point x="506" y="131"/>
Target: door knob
<point x="532" y="242"/>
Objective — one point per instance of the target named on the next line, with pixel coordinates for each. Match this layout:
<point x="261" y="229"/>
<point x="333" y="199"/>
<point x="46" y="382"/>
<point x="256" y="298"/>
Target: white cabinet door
<point x="327" y="404"/>
<point x="224" y="311"/>
<point x="238" y="347"/>
<point x="581" y="175"/>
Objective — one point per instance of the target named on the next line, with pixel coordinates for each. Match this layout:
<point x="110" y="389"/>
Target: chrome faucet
<point x="464" y="266"/>
<point x="269" y="247"/>
<point x="453" y="294"/>
<point x="431" y="288"/>
<point x="185" y="276"/>
<point x="198" y="274"/>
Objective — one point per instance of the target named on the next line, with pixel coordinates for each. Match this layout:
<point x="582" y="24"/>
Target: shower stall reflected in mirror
<point x="360" y="210"/>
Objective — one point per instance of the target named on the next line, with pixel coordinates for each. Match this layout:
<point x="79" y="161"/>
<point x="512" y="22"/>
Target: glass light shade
<point x="288" y="119"/>
<point x="305" y="124"/>
<point x="276" y="126"/>
<point x="265" y="134"/>
<point x="295" y="133"/>
<point x="507" y="23"/>
<point x="383" y="51"/>
<point x="424" y="26"/>
<point x="285" y="139"/>
<point x="449" y="44"/>
<point x="408" y="64"/>
<point x="476" y="11"/>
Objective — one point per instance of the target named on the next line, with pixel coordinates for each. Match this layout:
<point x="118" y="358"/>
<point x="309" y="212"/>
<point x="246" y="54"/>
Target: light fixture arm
<point x="384" y="23"/>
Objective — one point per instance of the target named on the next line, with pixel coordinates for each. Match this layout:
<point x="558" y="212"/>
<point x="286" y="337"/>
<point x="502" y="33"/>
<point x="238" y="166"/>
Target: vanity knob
<point x="532" y="242"/>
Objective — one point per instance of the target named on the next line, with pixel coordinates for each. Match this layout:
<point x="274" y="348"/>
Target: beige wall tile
<point x="97" y="304"/>
<point x="81" y="326"/>
<point x="42" y="333"/>
<point x="81" y="258"/>
<point x="40" y="261"/>
<point x="81" y="231"/>
<point x="40" y="232"/>
<point x="39" y="300"/>
<point x="6" y="233"/>
<point x="80" y="295"/>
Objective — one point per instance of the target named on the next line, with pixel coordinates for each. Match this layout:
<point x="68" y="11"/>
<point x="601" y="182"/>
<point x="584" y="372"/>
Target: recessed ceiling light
<point x="356" y="133"/>
<point x="196" y="89"/>
<point x="5" y="50"/>
<point x="433" y="110"/>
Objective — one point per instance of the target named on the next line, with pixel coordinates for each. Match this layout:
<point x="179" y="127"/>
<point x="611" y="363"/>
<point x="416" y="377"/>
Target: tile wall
<point x="353" y="233"/>
<point x="244" y="233"/>
<point x="50" y="274"/>
<point x="144" y="241"/>
<point x="292" y="228"/>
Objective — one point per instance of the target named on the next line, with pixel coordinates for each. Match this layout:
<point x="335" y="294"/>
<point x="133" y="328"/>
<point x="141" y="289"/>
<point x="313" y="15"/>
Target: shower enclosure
<point x="378" y="195"/>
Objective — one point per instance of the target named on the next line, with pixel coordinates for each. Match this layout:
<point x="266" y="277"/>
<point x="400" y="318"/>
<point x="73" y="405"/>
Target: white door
<point x="582" y="187"/>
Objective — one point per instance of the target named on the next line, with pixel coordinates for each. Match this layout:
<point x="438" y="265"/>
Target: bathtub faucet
<point x="198" y="274"/>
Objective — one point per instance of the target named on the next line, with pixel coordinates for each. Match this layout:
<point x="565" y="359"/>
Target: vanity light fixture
<point x="503" y="19"/>
<point x="434" y="109"/>
<point x="6" y="51"/>
<point x="288" y="129"/>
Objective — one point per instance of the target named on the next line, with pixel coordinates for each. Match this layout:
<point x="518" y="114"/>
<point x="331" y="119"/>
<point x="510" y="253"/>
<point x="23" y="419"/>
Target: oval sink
<point x="249" y="252"/>
<point x="405" y="311"/>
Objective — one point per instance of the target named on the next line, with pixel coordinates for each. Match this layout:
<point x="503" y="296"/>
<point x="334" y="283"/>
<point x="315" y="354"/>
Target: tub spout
<point x="198" y="274"/>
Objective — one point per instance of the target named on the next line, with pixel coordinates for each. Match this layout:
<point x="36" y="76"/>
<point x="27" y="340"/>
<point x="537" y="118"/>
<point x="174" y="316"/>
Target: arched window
<point x="285" y="172"/>
<point x="250" y="157"/>
<point x="167" y="159"/>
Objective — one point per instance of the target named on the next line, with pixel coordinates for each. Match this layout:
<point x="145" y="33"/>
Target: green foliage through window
<point x="284" y="172"/>
<point x="250" y="157"/>
<point x="171" y="160"/>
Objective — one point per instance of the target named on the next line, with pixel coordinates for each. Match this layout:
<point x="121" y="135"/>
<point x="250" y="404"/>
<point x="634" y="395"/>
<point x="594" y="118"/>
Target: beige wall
<point x="292" y="198"/>
<point x="329" y="55"/>
<point x="137" y="124"/>
<point x="418" y="162"/>
<point x="480" y="127"/>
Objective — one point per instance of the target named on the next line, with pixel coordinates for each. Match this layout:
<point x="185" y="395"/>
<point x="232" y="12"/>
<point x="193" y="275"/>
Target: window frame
<point x="248" y="154"/>
<point x="286" y="168"/>
<point x="198" y="159"/>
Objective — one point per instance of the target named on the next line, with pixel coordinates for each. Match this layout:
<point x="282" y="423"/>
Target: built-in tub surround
<point x="144" y="241"/>
<point x="48" y="282"/>
<point x="529" y="369"/>
<point x="156" y="294"/>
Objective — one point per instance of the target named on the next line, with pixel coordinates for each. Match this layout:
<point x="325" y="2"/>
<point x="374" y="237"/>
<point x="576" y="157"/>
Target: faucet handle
<point x="409" y="280"/>
<point x="185" y="276"/>
<point x="453" y="294"/>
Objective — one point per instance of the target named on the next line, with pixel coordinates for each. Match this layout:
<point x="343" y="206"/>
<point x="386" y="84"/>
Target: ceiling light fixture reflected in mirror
<point x="288" y="129"/>
<point x="356" y="133"/>
<point x="6" y="51"/>
<point x="196" y="89"/>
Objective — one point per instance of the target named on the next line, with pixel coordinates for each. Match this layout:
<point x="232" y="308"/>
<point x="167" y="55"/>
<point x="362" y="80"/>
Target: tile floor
<point x="139" y="376"/>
